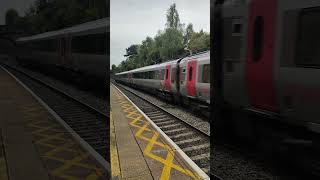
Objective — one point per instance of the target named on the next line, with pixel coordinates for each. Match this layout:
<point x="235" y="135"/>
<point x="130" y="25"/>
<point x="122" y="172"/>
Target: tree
<point x="61" y="13"/>
<point x="132" y="50"/>
<point x="12" y="17"/>
<point x="168" y="44"/>
<point x="188" y="33"/>
<point x="171" y="44"/>
<point x="173" y="20"/>
<point x="199" y="42"/>
<point x="40" y="5"/>
<point x="114" y="69"/>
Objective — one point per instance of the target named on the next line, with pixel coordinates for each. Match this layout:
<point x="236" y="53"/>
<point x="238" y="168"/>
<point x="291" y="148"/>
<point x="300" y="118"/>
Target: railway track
<point x="194" y="142"/>
<point x="87" y="122"/>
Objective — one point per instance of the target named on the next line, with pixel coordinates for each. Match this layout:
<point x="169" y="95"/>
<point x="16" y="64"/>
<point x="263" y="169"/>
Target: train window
<point x="258" y="38"/>
<point x="182" y="74"/>
<point x="91" y="44"/>
<point x="206" y="73"/>
<point x="173" y="75"/>
<point x="167" y="73"/>
<point x="156" y="74"/>
<point x="237" y="27"/>
<point x="308" y="43"/>
<point x="152" y="74"/>
<point x="44" y="45"/>
<point x="190" y="73"/>
<point x="162" y="74"/>
<point x="144" y="75"/>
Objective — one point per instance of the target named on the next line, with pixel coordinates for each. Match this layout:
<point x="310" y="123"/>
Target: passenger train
<point x="271" y="61"/>
<point x="185" y="80"/>
<point x="78" y="51"/>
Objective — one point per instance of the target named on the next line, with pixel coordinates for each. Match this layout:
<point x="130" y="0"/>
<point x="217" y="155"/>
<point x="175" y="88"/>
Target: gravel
<point x="84" y="96"/>
<point x="230" y="161"/>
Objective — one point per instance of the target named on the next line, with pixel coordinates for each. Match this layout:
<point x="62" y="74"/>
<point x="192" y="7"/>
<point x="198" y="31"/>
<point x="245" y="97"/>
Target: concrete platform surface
<point x="142" y="152"/>
<point x="33" y="145"/>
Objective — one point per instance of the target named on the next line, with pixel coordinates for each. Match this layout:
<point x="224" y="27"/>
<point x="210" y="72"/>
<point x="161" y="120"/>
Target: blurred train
<point x="271" y="60"/>
<point x="185" y="80"/>
<point x="81" y="51"/>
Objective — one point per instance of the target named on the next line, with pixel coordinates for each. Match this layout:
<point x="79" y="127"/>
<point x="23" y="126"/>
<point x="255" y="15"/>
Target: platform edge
<point x="173" y="145"/>
<point x="75" y="135"/>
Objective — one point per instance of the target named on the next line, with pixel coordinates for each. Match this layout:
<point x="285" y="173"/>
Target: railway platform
<point x="140" y="150"/>
<point x="33" y="144"/>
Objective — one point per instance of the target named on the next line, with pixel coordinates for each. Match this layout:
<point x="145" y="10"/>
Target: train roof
<point x="92" y="27"/>
<point x="156" y="66"/>
<point x="199" y="56"/>
<point x="151" y="67"/>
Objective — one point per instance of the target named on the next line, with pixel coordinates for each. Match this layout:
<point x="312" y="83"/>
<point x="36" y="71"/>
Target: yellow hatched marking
<point x="115" y="166"/>
<point x="3" y="169"/>
<point x="79" y="159"/>
<point x="144" y="126"/>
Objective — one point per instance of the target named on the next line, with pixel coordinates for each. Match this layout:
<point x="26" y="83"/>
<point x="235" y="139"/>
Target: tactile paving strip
<point x="62" y="156"/>
<point x="143" y="128"/>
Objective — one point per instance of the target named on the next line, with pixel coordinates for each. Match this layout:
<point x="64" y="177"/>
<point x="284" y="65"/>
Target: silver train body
<point x="81" y="49"/>
<point x="271" y="59"/>
<point x="186" y="79"/>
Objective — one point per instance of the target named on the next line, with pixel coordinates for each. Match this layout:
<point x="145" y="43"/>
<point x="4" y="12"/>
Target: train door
<point x="68" y="57"/>
<point x="167" y="78"/>
<point x="129" y="78"/>
<point x="62" y="51"/>
<point x="191" y="77"/>
<point x="259" y="71"/>
<point x="65" y="49"/>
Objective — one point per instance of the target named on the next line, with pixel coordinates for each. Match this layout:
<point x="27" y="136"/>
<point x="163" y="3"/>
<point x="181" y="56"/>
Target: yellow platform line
<point x="115" y="165"/>
<point x="137" y="121"/>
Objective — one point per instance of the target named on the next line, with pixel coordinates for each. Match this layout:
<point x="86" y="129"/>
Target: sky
<point x="20" y="5"/>
<point x="131" y="21"/>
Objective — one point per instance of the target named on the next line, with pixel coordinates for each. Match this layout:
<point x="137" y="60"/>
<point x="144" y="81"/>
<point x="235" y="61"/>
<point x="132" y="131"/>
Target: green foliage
<point x="199" y="42"/>
<point x="173" y="19"/>
<point x="171" y="44"/>
<point x="114" y="69"/>
<point x="168" y="44"/>
<point x="11" y="17"/>
<point x="132" y="50"/>
<point x="52" y="15"/>
<point x="188" y="33"/>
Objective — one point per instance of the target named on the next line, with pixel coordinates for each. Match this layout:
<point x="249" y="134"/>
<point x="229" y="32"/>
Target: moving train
<point x="78" y="51"/>
<point x="185" y="80"/>
<point x="271" y="60"/>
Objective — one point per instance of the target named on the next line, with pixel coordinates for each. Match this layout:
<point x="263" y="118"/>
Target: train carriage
<point x="81" y="50"/>
<point x="195" y="77"/>
<point x="271" y="56"/>
<point x="184" y="80"/>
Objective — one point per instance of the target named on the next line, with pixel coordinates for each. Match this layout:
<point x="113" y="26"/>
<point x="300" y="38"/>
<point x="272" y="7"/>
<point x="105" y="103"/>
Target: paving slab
<point x="33" y="145"/>
<point x="142" y="150"/>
